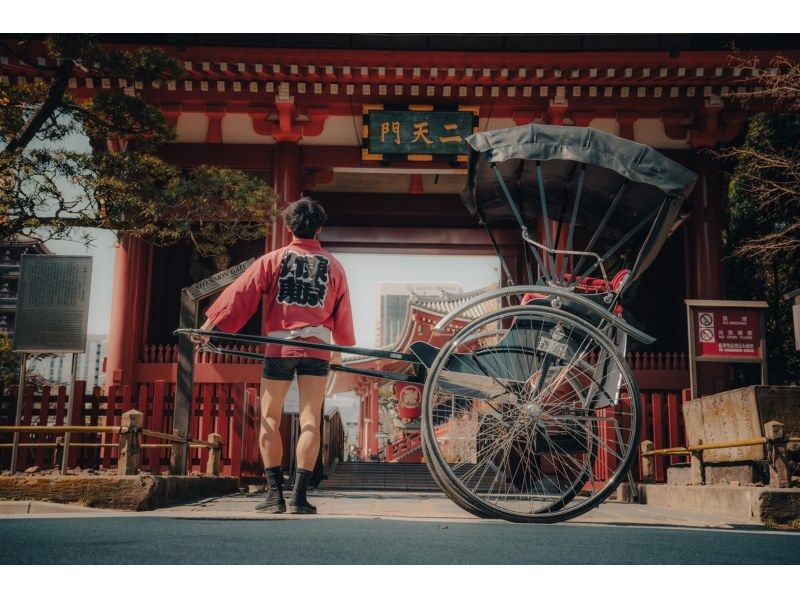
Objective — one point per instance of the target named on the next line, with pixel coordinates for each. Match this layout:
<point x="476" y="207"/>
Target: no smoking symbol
<point x="706" y="319"/>
<point x="706" y="335"/>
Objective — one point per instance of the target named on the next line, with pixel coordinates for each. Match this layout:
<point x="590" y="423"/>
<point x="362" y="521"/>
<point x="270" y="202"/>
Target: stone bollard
<point x="58" y="453"/>
<point x="697" y="468"/>
<point x="624" y="493"/>
<point x="177" y="455"/>
<point x="214" y="455"/>
<point x="129" y="452"/>
<point x="648" y="463"/>
<point x="775" y="433"/>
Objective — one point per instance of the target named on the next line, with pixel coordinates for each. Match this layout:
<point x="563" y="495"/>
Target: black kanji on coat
<point x="303" y="279"/>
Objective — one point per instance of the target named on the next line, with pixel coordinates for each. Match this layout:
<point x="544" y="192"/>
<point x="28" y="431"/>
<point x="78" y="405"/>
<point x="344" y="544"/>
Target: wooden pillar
<point x="704" y="257"/>
<point x="705" y="232"/>
<point x="287" y="179"/>
<point x="128" y="317"/>
<point x="129" y="443"/>
<point x="177" y="455"/>
<point x="362" y="426"/>
<point x="374" y="420"/>
<point x="214" y="455"/>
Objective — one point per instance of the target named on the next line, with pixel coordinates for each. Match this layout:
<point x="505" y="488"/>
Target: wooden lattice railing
<point x="644" y="360"/>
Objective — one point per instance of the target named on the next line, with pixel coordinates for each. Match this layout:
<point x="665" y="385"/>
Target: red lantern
<point x="409" y="400"/>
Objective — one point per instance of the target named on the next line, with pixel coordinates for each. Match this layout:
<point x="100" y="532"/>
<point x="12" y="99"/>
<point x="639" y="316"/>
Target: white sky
<point x="102" y="275"/>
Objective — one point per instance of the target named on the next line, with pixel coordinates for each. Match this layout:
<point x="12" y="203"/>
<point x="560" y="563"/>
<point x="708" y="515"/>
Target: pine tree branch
<point x="40" y="116"/>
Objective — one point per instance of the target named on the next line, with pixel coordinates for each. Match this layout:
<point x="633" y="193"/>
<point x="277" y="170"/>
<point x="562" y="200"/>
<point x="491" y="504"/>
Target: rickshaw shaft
<point x="337" y="368"/>
<point x="251" y="338"/>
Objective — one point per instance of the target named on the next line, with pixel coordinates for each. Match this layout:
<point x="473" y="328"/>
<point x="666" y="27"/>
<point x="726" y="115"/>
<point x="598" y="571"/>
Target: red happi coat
<point x="304" y="286"/>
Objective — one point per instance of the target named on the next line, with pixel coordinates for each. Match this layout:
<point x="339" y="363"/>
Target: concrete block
<point x="740" y="413"/>
<point x="757" y="504"/>
<point x="739" y="474"/>
<point x="142" y="492"/>
<point x="623" y="493"/>
<point x="742" y="474"/>
<point x="679" y="475"/>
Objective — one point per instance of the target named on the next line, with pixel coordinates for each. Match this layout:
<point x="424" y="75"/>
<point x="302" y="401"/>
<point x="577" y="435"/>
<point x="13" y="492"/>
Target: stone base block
<point x="736" y="474"/>
<point x="142" y="492"/>
<point x="757" y="504"/>
<point x="679" y="475"/>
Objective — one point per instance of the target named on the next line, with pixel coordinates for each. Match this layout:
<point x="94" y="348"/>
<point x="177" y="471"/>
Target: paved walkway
<point x="372" y="505"/>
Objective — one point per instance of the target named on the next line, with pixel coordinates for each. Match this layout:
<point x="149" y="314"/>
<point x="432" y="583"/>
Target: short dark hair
<point x="304" y="217"/>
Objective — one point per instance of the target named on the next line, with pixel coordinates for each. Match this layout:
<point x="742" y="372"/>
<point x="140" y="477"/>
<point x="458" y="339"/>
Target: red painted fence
<point x="230" y="410"/>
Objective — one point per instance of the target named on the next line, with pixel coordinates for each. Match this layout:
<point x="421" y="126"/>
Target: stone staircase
<point x="357" y="475"/>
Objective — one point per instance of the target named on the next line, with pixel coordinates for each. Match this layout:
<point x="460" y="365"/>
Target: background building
<point x="392" y="303"/>
<point x="10" y="255"/>
<point x="54" y="369"/>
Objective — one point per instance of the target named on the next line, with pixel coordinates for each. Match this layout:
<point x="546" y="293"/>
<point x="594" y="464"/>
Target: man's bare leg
<point x="312" y="395"/>
<point x="273" y="394"/>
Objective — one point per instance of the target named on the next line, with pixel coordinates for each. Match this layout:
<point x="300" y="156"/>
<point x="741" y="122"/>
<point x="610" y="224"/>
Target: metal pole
<point x="293" y="446"/>
<point x="18" y="413"/>
<point x="763" y="348"/>
<point x="185" y="381"/>
<point x="692" y="352"/>
<point x="73" y="370"/>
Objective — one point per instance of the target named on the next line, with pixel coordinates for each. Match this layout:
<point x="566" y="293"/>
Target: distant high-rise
<point x="54" y="369"/>
<point x="391" y="305"/>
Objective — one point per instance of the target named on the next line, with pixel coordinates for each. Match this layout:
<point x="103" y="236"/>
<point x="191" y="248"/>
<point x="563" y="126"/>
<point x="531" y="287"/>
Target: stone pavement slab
<point x="407" y="505"/>
<point x="380" y="505"/>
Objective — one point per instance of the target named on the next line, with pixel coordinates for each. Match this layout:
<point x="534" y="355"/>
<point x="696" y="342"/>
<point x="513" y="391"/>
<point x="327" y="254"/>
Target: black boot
<point x="298" y="503"/>
<point x="274" y="502"/>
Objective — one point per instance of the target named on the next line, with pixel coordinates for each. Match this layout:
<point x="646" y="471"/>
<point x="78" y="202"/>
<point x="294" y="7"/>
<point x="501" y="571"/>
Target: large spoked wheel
<point x="529" y="414"/>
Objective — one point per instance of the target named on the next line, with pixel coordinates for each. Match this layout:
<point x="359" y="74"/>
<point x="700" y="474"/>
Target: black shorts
<point x="284" y="368"/>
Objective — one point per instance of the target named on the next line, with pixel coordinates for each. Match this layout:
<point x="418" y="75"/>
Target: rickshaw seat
<point x="590" y="286"/>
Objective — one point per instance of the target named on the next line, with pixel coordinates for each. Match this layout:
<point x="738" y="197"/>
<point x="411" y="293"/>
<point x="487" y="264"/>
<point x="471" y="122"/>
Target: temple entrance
<point x="390" y="242"/>
<point x="396" y="298"/>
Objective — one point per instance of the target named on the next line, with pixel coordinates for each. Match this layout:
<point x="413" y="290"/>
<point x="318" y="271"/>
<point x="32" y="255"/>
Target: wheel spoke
<point x="548" y="441"/>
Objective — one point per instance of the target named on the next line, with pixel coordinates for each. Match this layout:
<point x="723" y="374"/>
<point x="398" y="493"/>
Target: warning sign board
<point x="728" y="332"/>
<point x="725" y="331"/>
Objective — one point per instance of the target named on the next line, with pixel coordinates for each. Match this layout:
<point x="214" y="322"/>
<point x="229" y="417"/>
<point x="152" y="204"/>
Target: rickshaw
<point x="530" y="412"/>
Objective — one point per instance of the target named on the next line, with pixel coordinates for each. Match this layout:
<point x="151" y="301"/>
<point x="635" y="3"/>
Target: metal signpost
<point x="52" y="317"/>
<point x="795" y="315"/>
<point x="725" y="332"/>
<point x="189" y="318"/>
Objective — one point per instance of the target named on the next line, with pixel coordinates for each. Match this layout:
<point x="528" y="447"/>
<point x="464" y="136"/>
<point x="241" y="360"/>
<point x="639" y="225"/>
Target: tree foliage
<point x="763" y="224"/>
<point x="46" y="186"/>
<point x="9" y="363"/>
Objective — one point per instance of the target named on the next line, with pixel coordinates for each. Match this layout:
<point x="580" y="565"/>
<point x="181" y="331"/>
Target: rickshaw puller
<point x="306" y="297"/>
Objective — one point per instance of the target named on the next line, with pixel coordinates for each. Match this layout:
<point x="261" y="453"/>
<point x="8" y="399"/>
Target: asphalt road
<point x="160" y="540"/>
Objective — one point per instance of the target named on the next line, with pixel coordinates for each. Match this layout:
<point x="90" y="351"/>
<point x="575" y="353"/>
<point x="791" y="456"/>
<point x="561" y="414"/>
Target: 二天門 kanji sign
<point x="417" y="132"/>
